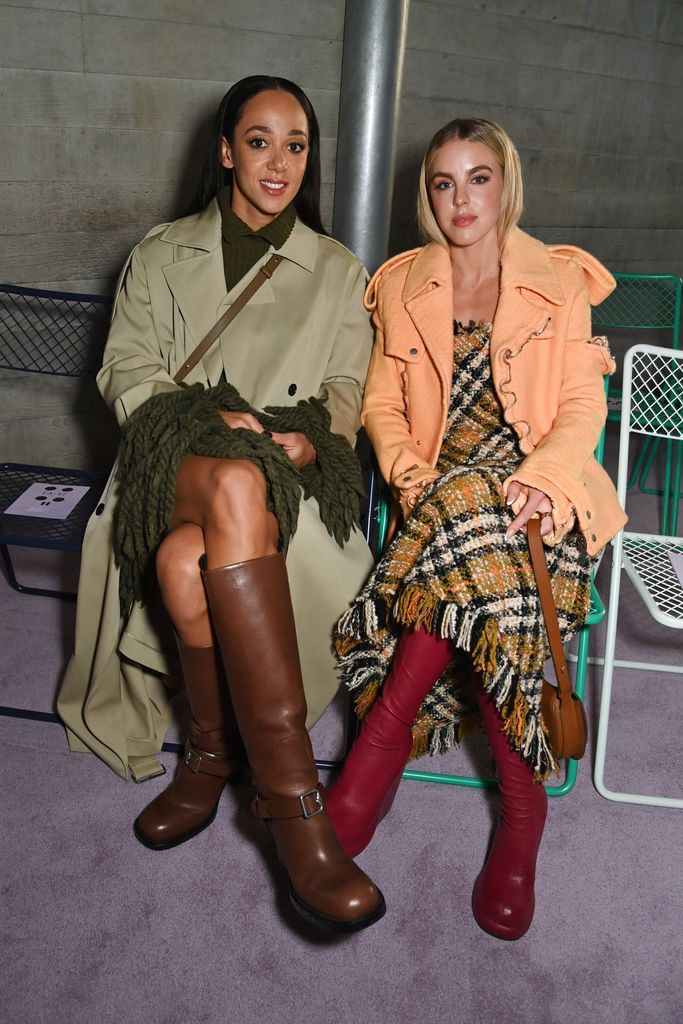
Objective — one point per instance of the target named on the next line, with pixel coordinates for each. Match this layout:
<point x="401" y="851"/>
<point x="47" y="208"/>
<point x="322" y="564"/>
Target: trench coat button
<point x="418" y="442"/>
<point x="593" y="537"/>
<point x="588" y="515"/>
<point x="413" y="351"/>
<point x="291" y="390"/>
<point x="100" y="509"/>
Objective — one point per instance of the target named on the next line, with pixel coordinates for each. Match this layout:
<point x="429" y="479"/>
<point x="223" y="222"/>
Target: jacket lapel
<point x="428" y="298"/>
<point x="529" y="292"/>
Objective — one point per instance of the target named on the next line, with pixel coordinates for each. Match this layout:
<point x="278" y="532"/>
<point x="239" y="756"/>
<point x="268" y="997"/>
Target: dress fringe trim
<point x="172" y="425"/>
<point x="364" y="670"/>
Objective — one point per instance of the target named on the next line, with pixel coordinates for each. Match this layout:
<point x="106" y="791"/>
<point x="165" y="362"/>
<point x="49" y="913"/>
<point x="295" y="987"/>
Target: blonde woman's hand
<point x="537" y="503"/>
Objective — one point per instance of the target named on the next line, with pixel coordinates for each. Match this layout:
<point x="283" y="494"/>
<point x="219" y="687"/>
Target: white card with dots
<point x="47" y="501"/>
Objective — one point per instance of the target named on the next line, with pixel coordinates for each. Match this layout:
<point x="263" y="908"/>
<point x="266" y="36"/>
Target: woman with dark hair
<point x="206" y="501"/>
<point x="215" y="175"/>
<point x="484" y="403"/>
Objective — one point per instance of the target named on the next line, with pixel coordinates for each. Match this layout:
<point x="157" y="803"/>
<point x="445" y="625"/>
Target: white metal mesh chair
<point x="652" y="407"/>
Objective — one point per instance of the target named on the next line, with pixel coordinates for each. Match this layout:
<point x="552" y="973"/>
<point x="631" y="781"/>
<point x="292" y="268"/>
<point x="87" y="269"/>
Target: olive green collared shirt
<point x="242" y="247"/>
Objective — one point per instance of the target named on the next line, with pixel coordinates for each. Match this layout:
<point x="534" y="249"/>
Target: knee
<point x="238" y="489"/>
<point x="177" y="561"/>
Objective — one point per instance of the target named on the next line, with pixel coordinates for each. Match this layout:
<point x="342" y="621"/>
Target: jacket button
<point x="418" y="442"/>
<point x="291" y="390"/>
<point x="593" y="537"/>
<point x="100" y="509"/>
<point x="413" y="351"/>
<point x="588" y="515"/>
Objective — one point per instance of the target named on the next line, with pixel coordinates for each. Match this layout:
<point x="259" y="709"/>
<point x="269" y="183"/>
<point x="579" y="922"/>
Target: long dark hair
<point x="214" y="176"/>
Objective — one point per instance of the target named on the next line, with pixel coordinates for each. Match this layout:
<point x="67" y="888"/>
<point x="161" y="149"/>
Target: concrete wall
<point x="105" y="104"/>
<point x="591" y="91"/>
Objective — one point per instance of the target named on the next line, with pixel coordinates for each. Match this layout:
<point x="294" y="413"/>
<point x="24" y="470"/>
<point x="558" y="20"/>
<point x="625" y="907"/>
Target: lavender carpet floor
<point x="95" y="928"/>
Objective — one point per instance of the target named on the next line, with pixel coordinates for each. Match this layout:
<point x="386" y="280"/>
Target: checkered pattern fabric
<point x="451" y="570"/>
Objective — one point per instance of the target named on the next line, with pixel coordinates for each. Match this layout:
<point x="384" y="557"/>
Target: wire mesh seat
<point x="55" y="334"/>
<point x="59" y="333"/>
<point x="652" y="303"/>
<point x="652" y="407"/>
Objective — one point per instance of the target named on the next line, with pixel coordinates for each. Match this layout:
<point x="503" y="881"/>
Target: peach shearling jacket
<point x="546" y="368"/>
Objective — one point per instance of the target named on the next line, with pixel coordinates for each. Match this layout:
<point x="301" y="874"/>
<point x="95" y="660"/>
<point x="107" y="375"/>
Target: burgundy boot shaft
<point x="372" y="771"/>
<point x="503" y="899"/>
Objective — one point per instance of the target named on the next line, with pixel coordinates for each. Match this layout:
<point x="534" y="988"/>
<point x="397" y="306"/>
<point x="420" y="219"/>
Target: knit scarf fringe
<point x="365" y="672"/>
<point x="172" y="425"/>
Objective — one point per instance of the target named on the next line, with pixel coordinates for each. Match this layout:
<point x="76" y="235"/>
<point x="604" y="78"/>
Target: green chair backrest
<point x="642" y="302"/>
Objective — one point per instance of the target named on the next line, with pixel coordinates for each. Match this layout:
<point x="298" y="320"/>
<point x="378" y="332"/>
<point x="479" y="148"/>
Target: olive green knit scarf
<point x="172" y="425"/>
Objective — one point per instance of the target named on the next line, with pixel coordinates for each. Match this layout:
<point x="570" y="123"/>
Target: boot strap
<point x="197" y="760"/>
<point x="280" y="807"/>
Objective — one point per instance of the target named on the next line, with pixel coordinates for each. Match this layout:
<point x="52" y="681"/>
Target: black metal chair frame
<point x="58" y="334"/>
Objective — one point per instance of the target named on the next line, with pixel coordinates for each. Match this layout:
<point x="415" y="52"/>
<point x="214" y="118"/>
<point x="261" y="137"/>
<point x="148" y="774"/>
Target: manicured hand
<point x="298" y="447"/>
<point x="537" y="503"/>
<point x="242" y="420"/>
<point x="410" y="485"/>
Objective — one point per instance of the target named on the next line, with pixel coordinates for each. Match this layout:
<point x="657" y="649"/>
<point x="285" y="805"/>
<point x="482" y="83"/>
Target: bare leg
<point x="220" y="509"/>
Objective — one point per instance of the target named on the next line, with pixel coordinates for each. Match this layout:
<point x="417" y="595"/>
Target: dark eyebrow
<point x="269" y="131"/>
<point x="472" y="170"/>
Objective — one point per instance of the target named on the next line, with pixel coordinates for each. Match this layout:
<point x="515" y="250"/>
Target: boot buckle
<point x="318" y="805"/>
<point x="193" y="760"/>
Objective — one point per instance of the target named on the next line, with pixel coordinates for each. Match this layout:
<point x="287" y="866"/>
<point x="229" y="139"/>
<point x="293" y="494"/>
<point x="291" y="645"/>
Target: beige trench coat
<point x="303" y="333"/>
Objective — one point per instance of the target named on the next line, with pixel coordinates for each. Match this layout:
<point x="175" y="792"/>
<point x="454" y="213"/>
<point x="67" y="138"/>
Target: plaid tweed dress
<point x="451" y="570"/>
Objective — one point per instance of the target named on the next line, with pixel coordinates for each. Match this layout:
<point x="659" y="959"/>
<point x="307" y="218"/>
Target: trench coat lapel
<point x="195" y="276"/>
<point x="197" y="280"/>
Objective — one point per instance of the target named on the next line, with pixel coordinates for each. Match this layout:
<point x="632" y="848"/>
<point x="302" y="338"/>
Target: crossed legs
<point x="220" y="510"/>
<point x="240" y="594"/>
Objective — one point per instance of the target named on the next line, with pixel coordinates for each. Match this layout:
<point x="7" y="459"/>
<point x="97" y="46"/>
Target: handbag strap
<point x="545" y="593"/>
<point x="264" y="274"/>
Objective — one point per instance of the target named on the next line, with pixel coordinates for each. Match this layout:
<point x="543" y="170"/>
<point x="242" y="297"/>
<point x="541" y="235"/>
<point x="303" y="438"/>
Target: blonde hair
<point x="475" y="129"/>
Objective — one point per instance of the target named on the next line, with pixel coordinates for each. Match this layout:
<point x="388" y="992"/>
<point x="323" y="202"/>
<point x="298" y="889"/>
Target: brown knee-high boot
<point x="252" y="616"/>
<point x="503" y="898"/>
<point x="211" y="756"/>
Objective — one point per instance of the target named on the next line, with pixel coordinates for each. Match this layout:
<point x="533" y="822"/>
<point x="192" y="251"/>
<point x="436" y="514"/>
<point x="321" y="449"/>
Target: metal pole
<point x="372" y="68"/>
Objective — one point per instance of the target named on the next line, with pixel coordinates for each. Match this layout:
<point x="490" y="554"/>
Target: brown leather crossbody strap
<point x="264" y="274"/>
<point x="545" y="593"/>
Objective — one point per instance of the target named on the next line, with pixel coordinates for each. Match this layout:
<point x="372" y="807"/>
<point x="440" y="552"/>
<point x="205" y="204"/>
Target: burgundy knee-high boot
<point x="503" y="898"/>
<point x="372" y="771"/>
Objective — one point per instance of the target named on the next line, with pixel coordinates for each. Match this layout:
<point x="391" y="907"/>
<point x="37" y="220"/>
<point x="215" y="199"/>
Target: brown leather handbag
<point x="563" y="712"/>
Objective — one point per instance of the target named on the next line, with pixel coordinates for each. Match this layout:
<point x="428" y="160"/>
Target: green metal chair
<point x="596" y="615"/>
<point x="647" y="302"/>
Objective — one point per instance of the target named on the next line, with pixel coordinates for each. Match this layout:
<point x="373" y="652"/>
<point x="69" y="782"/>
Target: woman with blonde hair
<point x="484" y="403"/>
